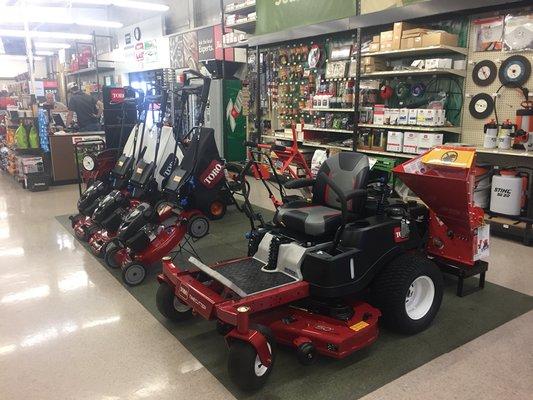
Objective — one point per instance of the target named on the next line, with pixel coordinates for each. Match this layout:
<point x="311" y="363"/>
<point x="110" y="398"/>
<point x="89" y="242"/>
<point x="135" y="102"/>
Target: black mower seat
<point x="310" y="219"/>
<point x="349" y="171"/>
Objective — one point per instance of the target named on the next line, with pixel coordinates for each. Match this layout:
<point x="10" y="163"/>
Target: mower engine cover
<point x="123" y="166"/>
<point x="108" y="205"/>
<point x="134" y="222"/>
<point x="88" y="200"/>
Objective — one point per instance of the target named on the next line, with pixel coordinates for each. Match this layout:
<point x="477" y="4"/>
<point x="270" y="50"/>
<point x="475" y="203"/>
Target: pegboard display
<point x="508" y="100"/>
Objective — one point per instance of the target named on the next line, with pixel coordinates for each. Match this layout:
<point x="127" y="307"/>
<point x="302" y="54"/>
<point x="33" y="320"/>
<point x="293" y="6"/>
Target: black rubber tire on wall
<point x="164" y="300"/>
<point x="241" y="361"/>
<point x="389" y="290"/>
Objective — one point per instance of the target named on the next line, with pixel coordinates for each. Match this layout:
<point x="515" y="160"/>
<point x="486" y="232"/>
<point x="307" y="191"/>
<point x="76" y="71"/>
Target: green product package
<point x="34" y="138"/>
<point x="21" y="137"/>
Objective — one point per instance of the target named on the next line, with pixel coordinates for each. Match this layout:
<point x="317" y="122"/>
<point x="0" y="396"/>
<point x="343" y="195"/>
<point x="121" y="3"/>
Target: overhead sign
<point x="279" y="15"/>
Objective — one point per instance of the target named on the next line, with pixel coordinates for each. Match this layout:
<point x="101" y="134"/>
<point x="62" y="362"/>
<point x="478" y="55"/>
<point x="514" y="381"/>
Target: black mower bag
<point x="90" y="198"/>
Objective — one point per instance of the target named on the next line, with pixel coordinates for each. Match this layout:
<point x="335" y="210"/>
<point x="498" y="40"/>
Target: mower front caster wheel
<point x="133" y="274"/>
<point x="306" y="353"/>
<point x="111" y="250"/>
<point x="170" y="306"/>
<point x="244" y="366"/>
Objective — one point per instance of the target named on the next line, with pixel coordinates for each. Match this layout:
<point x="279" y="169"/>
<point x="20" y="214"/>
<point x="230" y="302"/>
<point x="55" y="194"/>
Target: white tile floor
<point x="69" y="330"/>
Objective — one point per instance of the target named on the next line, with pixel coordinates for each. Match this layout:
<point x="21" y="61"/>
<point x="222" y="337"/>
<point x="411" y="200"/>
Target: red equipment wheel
<point x="244" y="366"/>
<point x="170" y="306"/>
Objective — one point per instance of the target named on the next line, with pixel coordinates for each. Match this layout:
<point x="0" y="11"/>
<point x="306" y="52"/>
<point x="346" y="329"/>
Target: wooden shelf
<point x="327" y="130"/>
<point x="414" y="128"/>
<point x="406" y="72"/>
<point x="328" y="109"/>
<point x="441" y="49"/>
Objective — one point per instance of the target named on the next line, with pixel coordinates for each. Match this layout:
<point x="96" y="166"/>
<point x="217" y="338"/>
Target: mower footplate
<point x="245" y="276"/>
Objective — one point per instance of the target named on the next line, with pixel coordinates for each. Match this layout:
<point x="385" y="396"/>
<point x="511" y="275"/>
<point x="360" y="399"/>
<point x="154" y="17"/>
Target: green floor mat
<point x="459" y="321"/>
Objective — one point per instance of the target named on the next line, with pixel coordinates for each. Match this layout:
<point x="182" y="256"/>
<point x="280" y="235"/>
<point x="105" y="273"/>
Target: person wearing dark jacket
<point x="85" y="107"/>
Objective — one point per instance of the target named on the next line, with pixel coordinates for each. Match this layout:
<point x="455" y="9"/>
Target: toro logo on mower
<point x="398" y="236"/>
<point x="212" y="174"/>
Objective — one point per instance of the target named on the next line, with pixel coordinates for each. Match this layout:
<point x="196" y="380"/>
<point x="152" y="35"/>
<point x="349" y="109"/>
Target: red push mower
<point x="308" y="276"/>
<point x="196" y="191"/>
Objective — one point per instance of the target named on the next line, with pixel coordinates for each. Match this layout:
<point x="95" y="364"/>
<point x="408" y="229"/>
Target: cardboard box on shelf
<point x="385" y="46"/>
<point x="410" y="142"/>
<point x="376" y="39"/>
<point x="394" y="116"/>
<point x="373" y="61"/>
<point x="444" y="63"/>
<point x="427" y="141"/>
<point x="397" y="32"/>
<point x="413" y="114"/>
<point x="412" y="38"/>
<point x="379" y="114"/>
<point x="441" y="117"/>
<point x="414" y="32"/>
<point x="386" y="36"/>
<point x="436" y="38"/>
<point x="394" y="141"/>
<point x="374" y="47"/>
<point x="403" y="116"/>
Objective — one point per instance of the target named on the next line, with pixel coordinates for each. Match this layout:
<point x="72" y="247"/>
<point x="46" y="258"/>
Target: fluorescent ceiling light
<point x="139" y="5"/>
<point x="44" y="53"/>
<point x="51" y="15"/>
<point x="47" y="35"/>
<point x="51" y="45"/>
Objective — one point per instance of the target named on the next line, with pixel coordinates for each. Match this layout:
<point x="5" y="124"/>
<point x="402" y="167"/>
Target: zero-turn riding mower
<point x="325" y="271"/>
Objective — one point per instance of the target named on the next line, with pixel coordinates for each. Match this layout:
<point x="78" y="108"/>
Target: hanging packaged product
<point x="489" y="34"/>
<point x="518" y="34"/>
<point x="21" y="137"/>
<point x="33" y="138"/>
<point x="490" y="130"/>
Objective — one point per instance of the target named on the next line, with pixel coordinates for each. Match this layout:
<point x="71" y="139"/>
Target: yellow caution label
<point x="452" y="157"/>
<point x="177" y="178"/>
<point x="139" y="170"/>
<point x="360" y="325"/>
<point x="120" y="163"/>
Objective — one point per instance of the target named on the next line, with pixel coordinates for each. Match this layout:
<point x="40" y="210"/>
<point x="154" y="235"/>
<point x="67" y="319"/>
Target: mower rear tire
<point x="170" y="306"/>
<point x="244" y="366"/>
<point x="111" y="250"/>
<point x="133" y="273"/>
<point x="408" y="291"/>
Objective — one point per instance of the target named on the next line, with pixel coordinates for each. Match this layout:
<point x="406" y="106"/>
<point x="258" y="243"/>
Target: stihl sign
<point x="212" y="174"/>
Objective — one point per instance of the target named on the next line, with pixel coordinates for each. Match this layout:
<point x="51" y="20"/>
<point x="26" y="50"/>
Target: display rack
<point x="99" y="67"/>
<point x="234" y="10"/>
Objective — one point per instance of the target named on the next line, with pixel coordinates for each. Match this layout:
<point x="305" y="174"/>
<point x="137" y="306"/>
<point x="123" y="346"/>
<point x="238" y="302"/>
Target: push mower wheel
<point x="133" y="273"/>
<point x="111" y="250"/>
<point x="217" y="210"/>
<point x="408" y="292"/>
<point x="306" y="353"/>
<point x="198" y="227"/>
<point x="170" y="306"/>
<point x="244" y="366"/>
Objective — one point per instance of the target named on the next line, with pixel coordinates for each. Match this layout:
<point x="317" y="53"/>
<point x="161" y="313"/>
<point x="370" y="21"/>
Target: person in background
<point x="52" y="104"/>
<point x="86" y="109"/>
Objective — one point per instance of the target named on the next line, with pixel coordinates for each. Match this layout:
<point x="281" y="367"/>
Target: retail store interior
<point x="256" y="199"/>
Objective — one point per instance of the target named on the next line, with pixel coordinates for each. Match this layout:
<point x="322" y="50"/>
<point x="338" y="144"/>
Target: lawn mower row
<point x="320" y="276"/>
